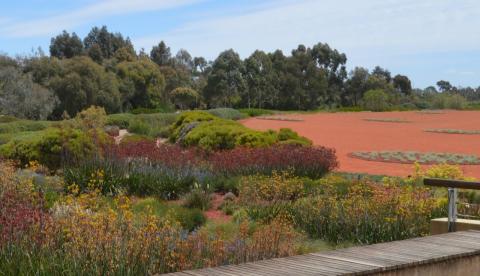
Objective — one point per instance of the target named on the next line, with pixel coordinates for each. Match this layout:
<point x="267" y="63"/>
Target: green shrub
<point x="375" y="100"/>
<point x="227" y="113"/>
<point x="213" y="133"/>
<point x="138" y="126"/>
<point x="187" y="118"/>
<point x="449" y="101"/>
<point x="198" y="198"/>
<point x="164" y="109"/>
<point x="121" y="120"/>
<point x="53" y="146"/>
<point x="190" y="219"/>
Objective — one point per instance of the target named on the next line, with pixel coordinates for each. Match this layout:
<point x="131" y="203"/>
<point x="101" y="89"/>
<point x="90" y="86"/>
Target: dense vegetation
<point x="147" y="203"/>
<point x="104" y="70"/>
<point x="145" y="198"/>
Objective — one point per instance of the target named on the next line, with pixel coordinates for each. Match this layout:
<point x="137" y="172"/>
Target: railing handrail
<point x="448" y="183"/>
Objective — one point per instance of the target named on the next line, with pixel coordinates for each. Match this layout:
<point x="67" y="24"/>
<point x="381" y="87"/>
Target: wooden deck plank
<point x="359" y="259"/>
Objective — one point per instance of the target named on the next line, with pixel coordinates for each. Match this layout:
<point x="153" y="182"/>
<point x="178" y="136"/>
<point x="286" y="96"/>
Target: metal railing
<point x="453" y="186"/>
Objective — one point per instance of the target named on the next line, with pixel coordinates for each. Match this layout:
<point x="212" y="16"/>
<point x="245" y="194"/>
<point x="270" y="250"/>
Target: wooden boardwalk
<point x="383" y="257"/>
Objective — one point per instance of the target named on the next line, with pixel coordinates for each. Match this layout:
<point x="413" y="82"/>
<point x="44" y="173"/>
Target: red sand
<point x="349" y="132"/>
<point x="214" y="213"/>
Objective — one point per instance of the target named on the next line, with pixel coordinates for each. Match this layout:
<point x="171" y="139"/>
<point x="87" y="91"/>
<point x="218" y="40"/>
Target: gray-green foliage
<point x="22" y="98"/>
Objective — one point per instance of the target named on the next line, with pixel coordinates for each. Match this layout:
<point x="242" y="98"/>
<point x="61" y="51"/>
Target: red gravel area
<point x="214" y="213"/>
<point x="349" y="132"/>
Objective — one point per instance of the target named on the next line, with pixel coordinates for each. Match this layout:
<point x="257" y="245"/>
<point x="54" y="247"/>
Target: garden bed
<point x="411" y="157"/>
<point x="453" y="131"/>
<point x="387" y="120"/>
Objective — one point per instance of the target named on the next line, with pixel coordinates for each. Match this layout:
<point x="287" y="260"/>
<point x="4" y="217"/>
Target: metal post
<point x="452" y="209"/>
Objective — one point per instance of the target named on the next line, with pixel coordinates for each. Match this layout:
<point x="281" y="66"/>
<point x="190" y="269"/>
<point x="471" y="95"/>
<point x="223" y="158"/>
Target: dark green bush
<point x="120" y="120"/>
<point x="190" y="219"/>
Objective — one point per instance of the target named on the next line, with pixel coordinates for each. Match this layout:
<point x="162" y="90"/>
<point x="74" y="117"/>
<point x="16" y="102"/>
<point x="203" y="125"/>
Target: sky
<point x="427" y="40"/>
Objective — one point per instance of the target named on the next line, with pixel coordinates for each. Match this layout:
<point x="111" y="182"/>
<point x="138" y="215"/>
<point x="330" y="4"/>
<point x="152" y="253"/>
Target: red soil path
<point x="349" y="132"/>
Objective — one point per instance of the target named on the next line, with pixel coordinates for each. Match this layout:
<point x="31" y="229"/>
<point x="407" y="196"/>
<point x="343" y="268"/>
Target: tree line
<point x="103" y="69"/>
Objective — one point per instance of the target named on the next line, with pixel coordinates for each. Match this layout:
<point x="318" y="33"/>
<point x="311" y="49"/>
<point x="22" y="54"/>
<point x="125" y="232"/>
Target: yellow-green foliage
<point x="78" y="138"/>
<point x="198" y="128"/>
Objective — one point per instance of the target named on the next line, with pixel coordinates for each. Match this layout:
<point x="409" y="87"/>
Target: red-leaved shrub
<point x="302" y="161"/>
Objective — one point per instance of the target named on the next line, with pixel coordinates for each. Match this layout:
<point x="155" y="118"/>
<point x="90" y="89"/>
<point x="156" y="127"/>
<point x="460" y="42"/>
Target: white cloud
<point x="101" y="9"/>
<point x="362" y="29"/>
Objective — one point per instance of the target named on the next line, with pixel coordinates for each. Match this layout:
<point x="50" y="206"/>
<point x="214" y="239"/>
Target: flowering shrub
<point x="367" y="213"/>
<point x="311" y="162"/>
<point x="89" y="235"/>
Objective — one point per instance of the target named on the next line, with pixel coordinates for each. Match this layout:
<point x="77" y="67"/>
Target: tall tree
<point x="444" y="86"/>
<point x="356" y="86"/>
<point x="82" y="83"/>
<point x="183" y="60"/>
<point x="402" y="84"/>
<point x="142" y="84"/>
<point x="226" y="82"/>
<point x="382" y="73"/>
<point x="102" y="44"/>
<point x="260" y="79"/>
<point x="65" y="45"/>
<point x="161" y="54"/>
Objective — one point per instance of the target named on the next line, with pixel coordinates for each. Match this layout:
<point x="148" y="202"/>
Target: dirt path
<point x="349" y="132"/>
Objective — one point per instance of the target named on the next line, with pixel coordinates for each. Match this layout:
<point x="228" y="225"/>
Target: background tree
<point x="260" y="79"/>
<point x="402" y="84"/>
<point x="226" y="81"/>
<point x="444" y="86"/>
<point x="101" y="44"/>
<point x="22" y="98"/>
<point x="382" y="73"/>
<point x="356" y="86"/>
<point x="65" y="45"/>
<point x="82" y="83"/>
<point x="161" y="54"/>
<point x="141" y="84"/>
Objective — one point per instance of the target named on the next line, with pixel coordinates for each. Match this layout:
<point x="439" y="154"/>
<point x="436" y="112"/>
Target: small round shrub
<point x="198" y="198"/>
<point x="190" y="219"/>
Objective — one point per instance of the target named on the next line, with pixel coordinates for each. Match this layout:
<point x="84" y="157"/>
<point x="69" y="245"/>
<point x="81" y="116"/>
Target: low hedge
<point x="199" y="128"/>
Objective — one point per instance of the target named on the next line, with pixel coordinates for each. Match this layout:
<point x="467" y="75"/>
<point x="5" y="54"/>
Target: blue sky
<point x="427" y="40"/>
